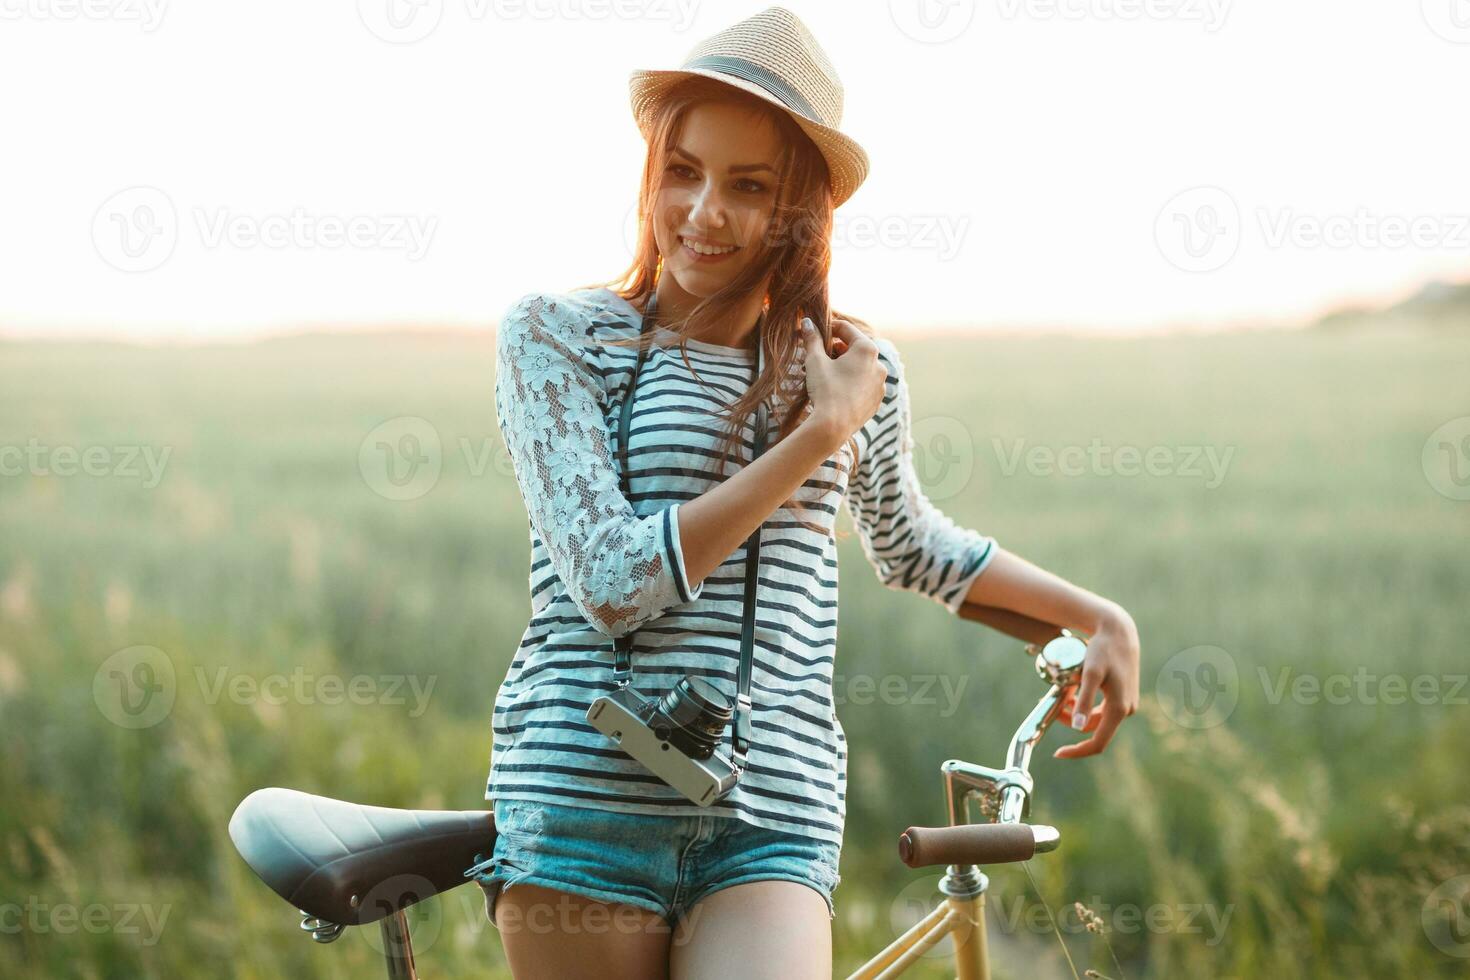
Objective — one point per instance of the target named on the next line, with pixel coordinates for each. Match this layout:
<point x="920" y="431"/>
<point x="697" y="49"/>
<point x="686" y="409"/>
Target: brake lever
<point x="1005" y="794"/>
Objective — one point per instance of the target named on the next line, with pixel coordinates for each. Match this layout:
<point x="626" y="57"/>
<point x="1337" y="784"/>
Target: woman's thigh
<point x="755" y="930"/>
<point x="579" y="891"/>
<point x="550" y="933"/>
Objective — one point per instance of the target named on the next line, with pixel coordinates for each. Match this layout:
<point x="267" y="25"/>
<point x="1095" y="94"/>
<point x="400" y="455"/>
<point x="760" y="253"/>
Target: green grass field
<point x="1302" y="810"/>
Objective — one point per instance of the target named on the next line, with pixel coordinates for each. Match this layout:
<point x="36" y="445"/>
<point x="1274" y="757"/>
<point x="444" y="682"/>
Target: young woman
<point x="601" y="868"/>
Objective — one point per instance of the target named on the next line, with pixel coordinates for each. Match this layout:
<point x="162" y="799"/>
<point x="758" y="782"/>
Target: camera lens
<point x="700" y="715"/>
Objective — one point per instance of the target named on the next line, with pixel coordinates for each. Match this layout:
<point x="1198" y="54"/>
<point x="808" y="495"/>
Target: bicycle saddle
<point x="352" y="864"/>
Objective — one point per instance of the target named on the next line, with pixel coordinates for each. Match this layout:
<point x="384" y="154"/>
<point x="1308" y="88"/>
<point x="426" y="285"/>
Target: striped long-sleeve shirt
<point x="604" y="564"/>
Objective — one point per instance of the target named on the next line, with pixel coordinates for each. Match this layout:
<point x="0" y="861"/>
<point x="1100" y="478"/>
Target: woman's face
<point x="717" y="193"/>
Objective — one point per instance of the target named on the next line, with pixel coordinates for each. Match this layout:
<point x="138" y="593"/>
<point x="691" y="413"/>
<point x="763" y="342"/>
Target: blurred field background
<point x="1316" y="834"/>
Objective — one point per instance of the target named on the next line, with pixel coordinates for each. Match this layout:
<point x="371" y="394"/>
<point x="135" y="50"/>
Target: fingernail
<point x="806" y="324"/>
<point x="1079" y="720"/>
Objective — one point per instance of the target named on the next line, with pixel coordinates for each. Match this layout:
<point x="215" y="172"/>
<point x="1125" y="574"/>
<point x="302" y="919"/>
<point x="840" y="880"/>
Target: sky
<point x="210" y="170"/>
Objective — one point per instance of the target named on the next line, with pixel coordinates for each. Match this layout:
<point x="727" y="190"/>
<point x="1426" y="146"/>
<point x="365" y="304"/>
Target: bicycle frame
<point x="1005" y="798"/>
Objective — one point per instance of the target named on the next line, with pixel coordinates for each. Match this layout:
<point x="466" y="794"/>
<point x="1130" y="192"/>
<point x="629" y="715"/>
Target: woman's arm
<point x="845" y="391"/>
<point x="912" y="545"/>
<point x="1112" y="664"/>
<point x="621" y="569"/>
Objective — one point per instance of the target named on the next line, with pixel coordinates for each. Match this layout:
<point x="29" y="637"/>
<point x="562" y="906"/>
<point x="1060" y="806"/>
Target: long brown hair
<point x="795" y="252"/>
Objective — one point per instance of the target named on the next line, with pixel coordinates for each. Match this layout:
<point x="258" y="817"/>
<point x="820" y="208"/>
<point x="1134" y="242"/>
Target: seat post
<point x="398" y="947"/>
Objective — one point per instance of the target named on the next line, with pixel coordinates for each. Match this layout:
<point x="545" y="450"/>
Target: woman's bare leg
<point x="776" y="929"/>
<point x="550" y="933"/>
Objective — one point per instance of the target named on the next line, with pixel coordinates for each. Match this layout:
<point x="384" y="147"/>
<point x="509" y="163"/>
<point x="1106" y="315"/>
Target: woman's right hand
<point x="847" y="389"/>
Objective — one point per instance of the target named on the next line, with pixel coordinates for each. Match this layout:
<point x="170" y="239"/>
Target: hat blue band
<point x="741" y="68"/>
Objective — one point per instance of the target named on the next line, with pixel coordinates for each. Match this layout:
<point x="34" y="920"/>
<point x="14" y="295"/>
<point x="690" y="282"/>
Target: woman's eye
<point x="754" y="186"/>
<point x="680" y="170"/>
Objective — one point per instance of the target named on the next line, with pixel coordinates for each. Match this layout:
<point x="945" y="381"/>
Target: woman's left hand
<point x="1111" y="665"/>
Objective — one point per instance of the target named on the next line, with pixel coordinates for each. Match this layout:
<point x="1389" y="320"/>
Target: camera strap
<point x="623" y="645"/>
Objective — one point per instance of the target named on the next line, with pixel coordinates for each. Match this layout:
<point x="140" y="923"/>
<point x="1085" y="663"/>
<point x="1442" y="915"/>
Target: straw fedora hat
<point x="773" y="56"/>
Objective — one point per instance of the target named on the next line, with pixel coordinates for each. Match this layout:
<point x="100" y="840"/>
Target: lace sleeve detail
<point x="620" y="569"/>
<point x="911" y="544"/>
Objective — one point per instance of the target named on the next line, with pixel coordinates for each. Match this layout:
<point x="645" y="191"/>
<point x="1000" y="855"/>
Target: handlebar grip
<point x="986" y="843"/>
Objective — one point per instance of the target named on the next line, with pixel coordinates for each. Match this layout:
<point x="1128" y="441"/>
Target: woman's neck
<point x="736" y="329"/>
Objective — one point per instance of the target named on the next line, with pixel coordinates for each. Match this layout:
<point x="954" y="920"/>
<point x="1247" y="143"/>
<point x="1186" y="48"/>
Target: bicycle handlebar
<point x="1004" y="792"/>
<point x="986" y="843"/>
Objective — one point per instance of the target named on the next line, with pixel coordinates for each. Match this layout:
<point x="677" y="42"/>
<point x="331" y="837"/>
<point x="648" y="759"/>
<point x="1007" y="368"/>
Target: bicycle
<point x="345" y="864"/>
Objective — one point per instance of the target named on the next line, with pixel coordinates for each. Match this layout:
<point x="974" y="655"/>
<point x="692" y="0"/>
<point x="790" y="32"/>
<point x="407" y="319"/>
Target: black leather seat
<point x="353" y="864"/>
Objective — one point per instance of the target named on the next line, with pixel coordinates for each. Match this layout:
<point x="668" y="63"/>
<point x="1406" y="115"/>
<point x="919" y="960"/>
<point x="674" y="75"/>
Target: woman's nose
<point x="706" y="209"/>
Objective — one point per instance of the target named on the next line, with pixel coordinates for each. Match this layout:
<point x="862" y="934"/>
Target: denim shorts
<point x="662" y="863"/>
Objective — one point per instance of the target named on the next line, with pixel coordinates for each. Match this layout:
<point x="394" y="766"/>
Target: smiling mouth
<point x="704" y="249"/>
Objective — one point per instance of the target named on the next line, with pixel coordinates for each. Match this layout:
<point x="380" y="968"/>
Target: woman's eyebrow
<point x="739" y="168"/>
